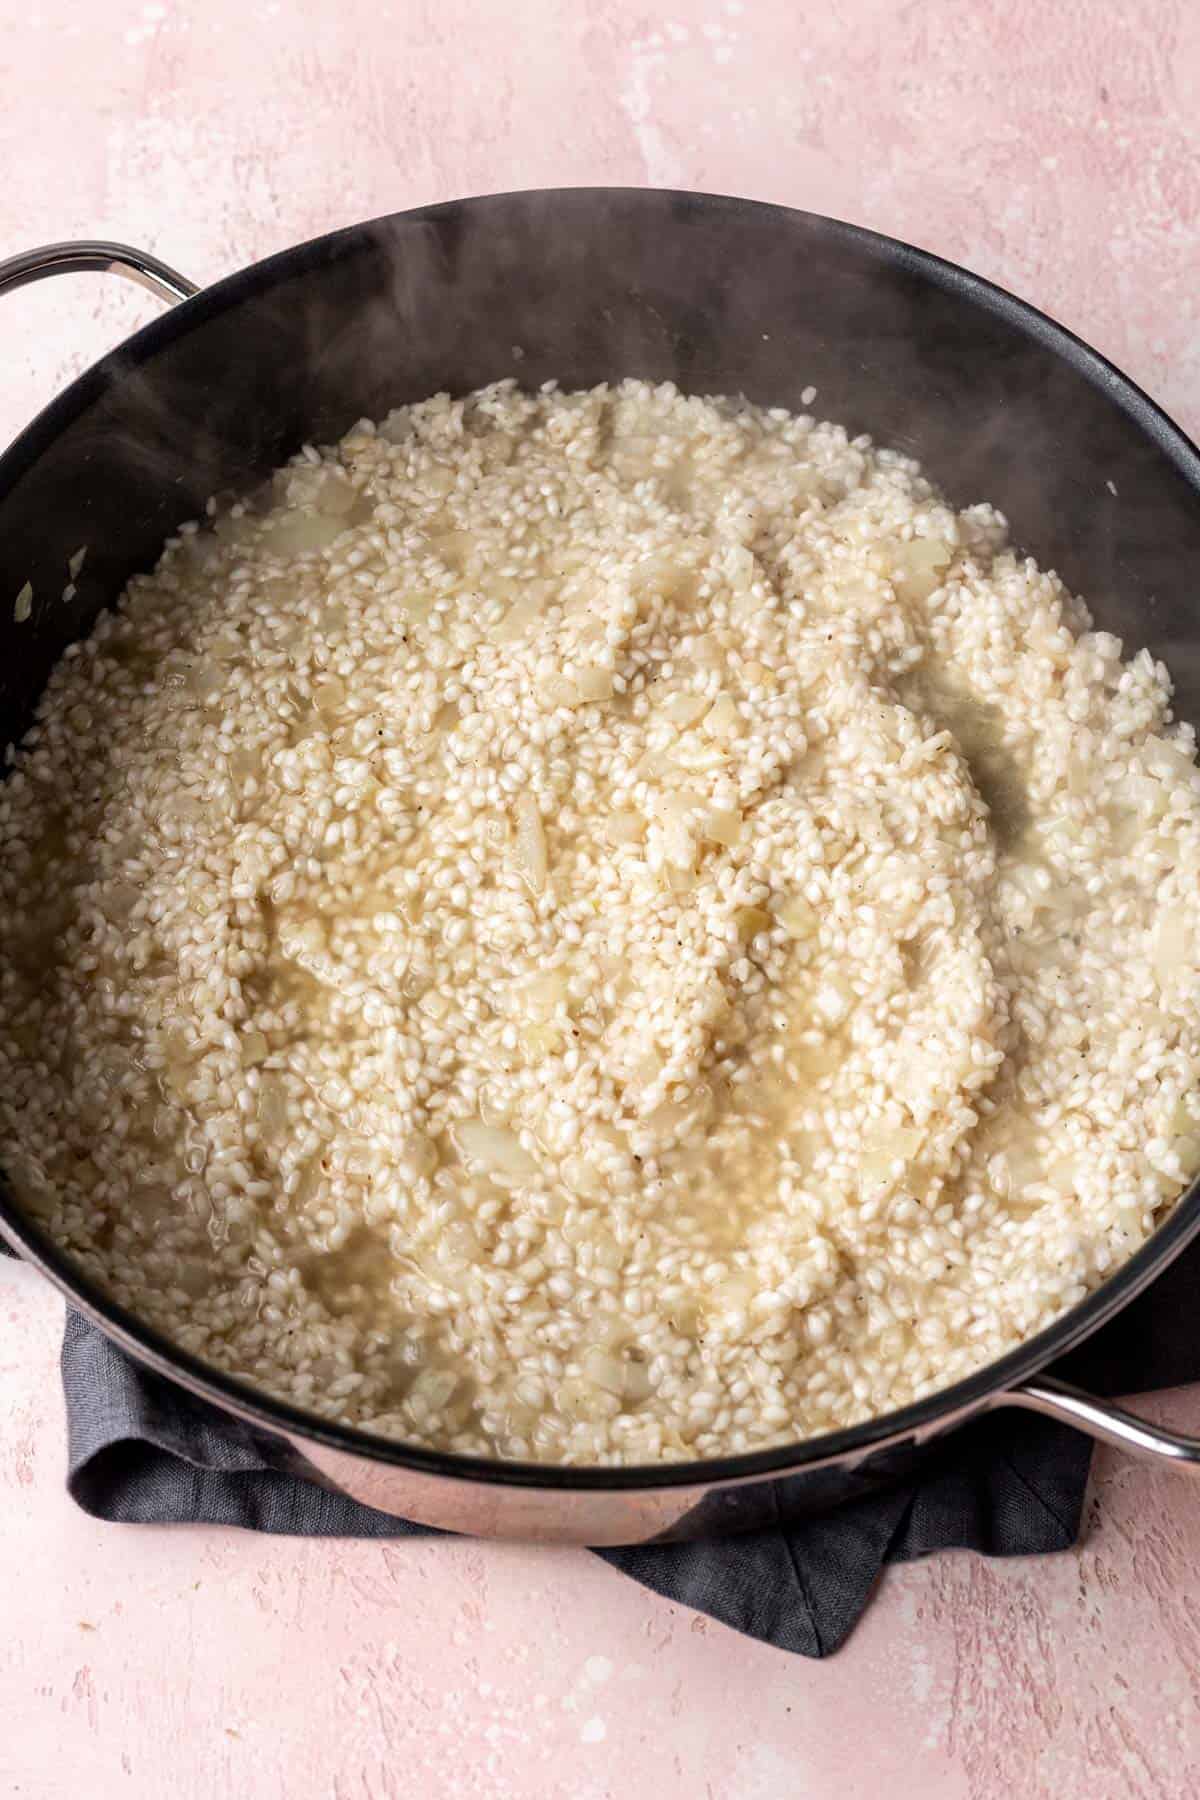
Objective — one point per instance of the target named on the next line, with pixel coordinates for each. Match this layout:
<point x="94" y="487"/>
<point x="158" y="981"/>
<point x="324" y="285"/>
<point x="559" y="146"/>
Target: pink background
<point x="1056" y="148"/>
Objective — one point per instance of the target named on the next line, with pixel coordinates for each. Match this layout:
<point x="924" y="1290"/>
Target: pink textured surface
<point x="1054" y="147"/>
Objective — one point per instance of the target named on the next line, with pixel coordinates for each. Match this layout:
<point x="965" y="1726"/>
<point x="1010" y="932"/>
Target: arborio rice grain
<point x="600" y="927"/>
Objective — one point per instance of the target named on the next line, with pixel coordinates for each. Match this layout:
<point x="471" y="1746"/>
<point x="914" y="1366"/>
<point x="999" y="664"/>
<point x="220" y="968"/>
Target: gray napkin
<point x="143" y="1451"/>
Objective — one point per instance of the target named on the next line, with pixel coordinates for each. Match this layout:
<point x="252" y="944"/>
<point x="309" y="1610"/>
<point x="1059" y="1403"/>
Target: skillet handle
<point x="1108" y="1423"/>
<point x="100" y="258"/>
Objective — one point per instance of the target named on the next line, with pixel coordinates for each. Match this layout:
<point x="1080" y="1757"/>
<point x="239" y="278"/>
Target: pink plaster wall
<point x="1053" y="146"/>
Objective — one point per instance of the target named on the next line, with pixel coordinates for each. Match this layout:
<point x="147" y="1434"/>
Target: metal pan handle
<point x="1108" y="1423"/>
<point x="96" y="258"/>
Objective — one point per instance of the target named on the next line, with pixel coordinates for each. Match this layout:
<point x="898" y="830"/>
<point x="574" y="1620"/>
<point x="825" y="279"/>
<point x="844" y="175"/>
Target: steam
<point x="583" y="286"/>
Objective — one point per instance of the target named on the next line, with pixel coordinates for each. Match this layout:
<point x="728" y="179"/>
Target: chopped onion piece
<point x="797" y="917"/>
<point x="652" y="765"/>
<point x="415" y="606"/>
<point x="1183" y="1119"/>
<point x="722" y="718"/>
<point x="452" y="548"/>
<point x="530" y="841"/>
<point x="580" y="1399"/>
<point x="329" y="695"/>
<point x="1187" y="1148"/>
<point x="397" y="428"/>
<point x="539" y="1041"/>
<point x="119" y="900"/>
<point x="519" y="617"/>
<point x="272" y="1104"/>
<point x="673" y="805"/>
<point x="496" y="1151"/>
<point x="740" y="568"/>
<point x="1174" y="945"/>
<point x="735" y="1293"/>
<point x="545" y="992"/>
<point x="679" y="844"/>
<point x="721" y="826"/>
<point x="750" y="920"/>
<point x="1063" y="1174"/>
<point x="583" y="1177"/>
<point x="814" y="1055"/>
<point x="625" y="828"/>
<point x="677" y="879"/>
<point x="1168" y="758"/>
<point x="919" y="565"/>
<point x="606" y="1371"/>
<point x="245" y="762"/>
<point x="706" y="652"/>
<point x="885" y="1154"/>
<point x="296" y="533"/>
<point x="593" y="684"/>
<point x="234" y="527"/>
<point x="203" y="682"/>
<point x="685" y="709"/>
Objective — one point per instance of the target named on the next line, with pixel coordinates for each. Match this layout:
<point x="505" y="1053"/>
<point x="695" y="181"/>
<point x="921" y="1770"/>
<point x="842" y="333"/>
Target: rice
<point x="600" y="927"/>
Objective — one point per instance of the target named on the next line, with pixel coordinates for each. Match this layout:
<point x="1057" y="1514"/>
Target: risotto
<point x="599" y="927"/>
